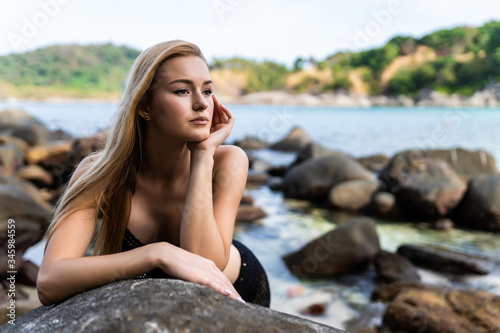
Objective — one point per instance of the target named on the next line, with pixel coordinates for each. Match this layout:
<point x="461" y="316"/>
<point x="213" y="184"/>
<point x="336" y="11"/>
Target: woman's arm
<point x="65" y="271"/>
<point x="216" y="184"/>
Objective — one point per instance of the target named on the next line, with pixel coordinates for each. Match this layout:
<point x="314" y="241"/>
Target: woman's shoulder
<point x="84" y="165"/>
<point x="230" y="156"/>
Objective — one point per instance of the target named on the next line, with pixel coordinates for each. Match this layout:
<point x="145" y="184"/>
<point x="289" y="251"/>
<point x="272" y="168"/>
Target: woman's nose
<point x="199" y="102"/>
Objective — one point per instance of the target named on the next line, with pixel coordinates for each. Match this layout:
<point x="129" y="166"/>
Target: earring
<point x="147" y="117"/>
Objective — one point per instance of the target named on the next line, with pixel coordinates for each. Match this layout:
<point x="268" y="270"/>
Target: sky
<point x="276" y="30"/>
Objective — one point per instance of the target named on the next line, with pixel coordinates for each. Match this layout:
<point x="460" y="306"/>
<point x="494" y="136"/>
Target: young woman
<point x="165" y="187"/>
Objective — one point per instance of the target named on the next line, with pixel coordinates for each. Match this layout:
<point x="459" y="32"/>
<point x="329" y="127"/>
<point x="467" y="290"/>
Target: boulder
<point x="353" y="195"/>
<point x="374" y="163"/>
<point x="295" y="140"/>
<point x="420" y="308"/>
<point x="158" y="305"/>
<point x="249" y="213"/>
<point x="21" y="125"/>
<point x="480" y="207"/>
<point x="11" y="154"/>
<point x="313" y="150"/>
<point x="385" y="206"/>
<point x="314" y="178"/>
<point x="445" y="260"/>
<point x="430" y="191"/>
<point x="53" y="152"/>
<point x="30" y="216"/>
<point x="393" y="267"/>
<point x="35" y="174"/>
<point x="467" y="164"/>
<point x="251" y="143"/>
<point x="85" y="146"/>
<point x="341" y="250"/>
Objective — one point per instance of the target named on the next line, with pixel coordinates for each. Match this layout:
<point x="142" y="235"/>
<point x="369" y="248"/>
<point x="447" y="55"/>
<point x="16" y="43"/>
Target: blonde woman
<point x="165" y="187"/>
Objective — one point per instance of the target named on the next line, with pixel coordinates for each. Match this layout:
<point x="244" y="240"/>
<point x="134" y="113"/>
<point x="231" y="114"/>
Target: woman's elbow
<point x="44" y="290"/>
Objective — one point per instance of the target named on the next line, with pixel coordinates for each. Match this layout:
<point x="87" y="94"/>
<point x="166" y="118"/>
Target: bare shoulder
<point x="229" y="156"/>
<point x="84" y="165"/>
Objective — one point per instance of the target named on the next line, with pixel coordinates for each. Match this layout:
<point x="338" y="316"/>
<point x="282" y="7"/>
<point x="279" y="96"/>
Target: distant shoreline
<point x="489" y="97"/>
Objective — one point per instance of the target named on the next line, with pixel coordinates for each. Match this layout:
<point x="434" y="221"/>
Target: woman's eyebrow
<point x="189" y="81"/>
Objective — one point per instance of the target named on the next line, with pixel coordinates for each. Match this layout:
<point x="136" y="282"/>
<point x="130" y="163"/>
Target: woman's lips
<point x="200" y="121"/>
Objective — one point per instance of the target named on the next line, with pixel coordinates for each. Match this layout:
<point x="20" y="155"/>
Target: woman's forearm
<point x="199" y="232"/>
<point x="64" y="278"/>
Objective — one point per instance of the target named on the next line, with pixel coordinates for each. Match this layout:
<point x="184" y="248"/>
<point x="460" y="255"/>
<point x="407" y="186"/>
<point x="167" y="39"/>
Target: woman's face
<point x="183" y="93"/>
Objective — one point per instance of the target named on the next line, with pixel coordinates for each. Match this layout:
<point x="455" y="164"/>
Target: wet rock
<point x="20" y="124"/>
<point x="385" y="206"/>
<point x="11" y="154"/>
<point x="36" y="175"/>
<point x="444" y="224"/>
<point x="17" y="203"/>
<point x="353" y="195"/>
<point x="467" y="164"/>
<point x="374" y="163"/>
<point x="249" y="213"/>
<point x="314" y="178"/>
<point x="393" y="267"/>
<point x="431" y="190"/>
<point x="480" y="208"/>
<point x="422" y="308"/>
<point x="257" y="177"/>
<point x="165" y="305"/>
<point x="445" y="260"/>
<point x="251" y="143"/>
<point x="246" y="199"/>
<point x="275" y="183"/>
<point x="83" y="147"/>
<point x="295" y="140"/>
<point x="341" y="250"/>
<point x="277" y="171"/>
<point x="315" y="309"/>
<point x="313" y="150"/>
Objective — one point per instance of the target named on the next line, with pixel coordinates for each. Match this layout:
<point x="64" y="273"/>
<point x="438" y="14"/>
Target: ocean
<point x="292" y="223"/>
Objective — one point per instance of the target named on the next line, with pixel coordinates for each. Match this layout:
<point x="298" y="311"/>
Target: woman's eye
<point x="208" y="92"/>
<point x="181" y="92"/>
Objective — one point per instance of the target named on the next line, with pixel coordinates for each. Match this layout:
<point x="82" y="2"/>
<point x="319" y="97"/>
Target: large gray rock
<point x="314" y="178"/>
<point x="251" y="143"/>
<point x="445" y="260"/>
<point x="374" y="163"/>
<point x="20" y="202"/>
<point x="467" y="164"/>
<point x="312" y="150"/>
<point x="480" y="208"/>
<point x="431" y="190"/>
<point x="20" y="124"/>
<point x="12" y="152"/>
<point x="416" y="308"/>
<point x="348" y="246"/>
<point x="295" y="140"/>
<point x="393" y="267"/>
<point x="158" y="305"/>
<point x="353" y="195"/>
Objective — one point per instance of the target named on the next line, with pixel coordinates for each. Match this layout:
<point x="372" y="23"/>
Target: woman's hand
<point x="222" y="123"/>
<point x="191" y="267"/>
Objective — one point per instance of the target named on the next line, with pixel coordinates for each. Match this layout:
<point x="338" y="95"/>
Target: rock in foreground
<point x="158" y="305"/>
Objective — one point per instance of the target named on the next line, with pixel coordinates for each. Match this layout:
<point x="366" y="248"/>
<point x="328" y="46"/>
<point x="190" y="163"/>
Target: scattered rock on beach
<point x="393" y="267"/>
<point x="249" y="213"/>
<point x="431" y="190"/>
<point x="314" y="178"/>
<point x="11" y="154"/>
<point x="416" y="307"/>
<point x="374" y="163"/>
<point x="165" y="305"/>
<point x="313" y="150"/>
<point x="353" y="195"/>
<point x="251" y="143"/>
<point x="480" y="208"/>
<point x="295" y="140"/>
<point x="20" y="124"/>
<point x="348" y="246"/>
<point x="467" y="164"/>
<point x="445" y="260"/>
<point x="385" y="206"/>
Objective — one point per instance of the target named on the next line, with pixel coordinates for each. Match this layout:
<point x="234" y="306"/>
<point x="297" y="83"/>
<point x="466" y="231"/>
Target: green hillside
<point x="459" y="60"/>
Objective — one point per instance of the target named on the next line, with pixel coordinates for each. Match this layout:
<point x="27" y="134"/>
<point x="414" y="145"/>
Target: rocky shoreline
<point x="442" y="188"/>
<point x="488" y="97"/>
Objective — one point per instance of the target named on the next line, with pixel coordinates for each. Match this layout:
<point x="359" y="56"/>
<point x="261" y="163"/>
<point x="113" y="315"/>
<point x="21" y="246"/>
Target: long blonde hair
<point x="108" y="184"/>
